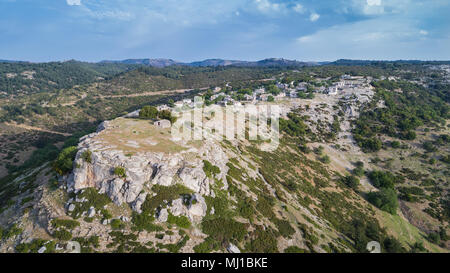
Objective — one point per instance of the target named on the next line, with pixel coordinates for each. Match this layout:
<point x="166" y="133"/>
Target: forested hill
<point x="26" y="78"/>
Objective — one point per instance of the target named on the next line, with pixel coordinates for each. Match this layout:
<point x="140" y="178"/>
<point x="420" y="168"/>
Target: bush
<point x="351" y="181"/>
<point x="224" y="229"/>
<point x="163" y="193"/>
<point x="13" y="231"/>
<point x="87" y="156"/>
<point x="434" y="237"/>
<point x="181" y="221"/>
<point x="395" y="144"/>
<point x="94" y="199"/>
<point x="62" y="235"/>
<point x="64" y="161"/>
<point x="325" y="159"/>
<point x="120" y="172"/>
<point x="144" y="221"/>
<point x="167" y="114"/>
<point x="382" y="179"/>
<point x="295" y="249"/>
<point x="70" y="224"/>
<point x="385" y="199"/>
<point x="209" y="169"/>
<point x="207" y="246"/>
<point x="358" y="171"/>
<point x="117" y="224"/>
<point x="285" y="229"/>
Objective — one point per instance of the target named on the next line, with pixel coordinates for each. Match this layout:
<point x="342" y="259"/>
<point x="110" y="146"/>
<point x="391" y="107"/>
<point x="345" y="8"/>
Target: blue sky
<point x="188" y="30"/>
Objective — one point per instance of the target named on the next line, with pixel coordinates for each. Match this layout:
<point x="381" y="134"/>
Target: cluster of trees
<point x="151" y="112"/>
<point x="404" y="112"/>
<point x="294" y="125"/>
<point x="386" y="198"/>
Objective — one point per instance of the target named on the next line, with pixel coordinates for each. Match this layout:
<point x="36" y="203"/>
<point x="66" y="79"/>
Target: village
<point x="277" y="92"/>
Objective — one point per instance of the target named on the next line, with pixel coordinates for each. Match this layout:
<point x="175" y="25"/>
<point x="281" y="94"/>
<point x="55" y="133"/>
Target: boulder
<point x="91" y="212"/>
<point x="71" y="207"/>
<point x="42" y="249"/>
<point x="163" y="215"/>
<point x="233" y="249"/>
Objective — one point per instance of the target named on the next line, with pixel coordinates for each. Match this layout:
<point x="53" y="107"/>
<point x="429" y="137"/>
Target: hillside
<point x="361" y="158"/>
<point x="22" y="78"/>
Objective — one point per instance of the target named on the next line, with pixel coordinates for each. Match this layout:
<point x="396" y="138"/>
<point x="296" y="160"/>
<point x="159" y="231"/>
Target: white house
<point x="163" y="123"/>
<point x="163" y="107"/>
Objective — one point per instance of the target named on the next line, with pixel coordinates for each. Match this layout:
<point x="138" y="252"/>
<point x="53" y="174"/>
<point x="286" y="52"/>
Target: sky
<point x="192" y="30"/>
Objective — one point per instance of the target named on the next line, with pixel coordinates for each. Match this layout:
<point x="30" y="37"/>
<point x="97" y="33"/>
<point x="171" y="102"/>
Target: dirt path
<point x="151" y="93"/>
<point x="32" y="128"/>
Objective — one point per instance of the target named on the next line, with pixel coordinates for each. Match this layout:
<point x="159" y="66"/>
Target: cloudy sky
<point x="188" y="30"/>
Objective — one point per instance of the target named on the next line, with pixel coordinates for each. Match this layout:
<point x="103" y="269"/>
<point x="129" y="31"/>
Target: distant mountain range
<point x="215" y="62"/>
<point x="270" y="62"/>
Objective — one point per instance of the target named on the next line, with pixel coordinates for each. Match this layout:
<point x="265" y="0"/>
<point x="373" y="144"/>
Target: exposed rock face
<point x="195" y="210"/>
<point x="145" y="168"/>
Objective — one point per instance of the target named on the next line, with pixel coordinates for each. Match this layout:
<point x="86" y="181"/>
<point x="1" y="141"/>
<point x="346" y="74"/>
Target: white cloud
<point x="374" y="2"/>
<point x="299" y="8"/>
<point x="267" y="6"/>
<point x="304" y="39"/>
<point x="423" y="32"/>
<point x="73" y="2"/>
<point x="314" y="17"/>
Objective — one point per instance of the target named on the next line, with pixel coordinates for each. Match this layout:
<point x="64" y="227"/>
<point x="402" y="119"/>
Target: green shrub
<point x="167" y="114"/>
<point x="11" y="232"/>
<point x="295" y="249"/>
<point x="87" y="156"/>
<point x="70" y="224"/>
<point x="283" y="226"/>
<point x="120" y="172"/>
<point x="117" y="224"/>
<point x="62" y="235"/>
<point x="434" y="237"/>
<point x="209" y="169"/>
<point x="181" y="221"/>
<point x="64" y="162"/>
<point x="148" y="112"/>
<point x="385" y="199"/>
<point x="35" y="245"/>
<point x="163" y="193"/>
<point x="207" y="246"/>
<point x="224" y="229"/>
<point x="262" y="241"/>
<point x="395" y="144"/>
<point x="351" y="181"/>
<point x="325" y="159"/>
<point x="144" y="221"/>
<point x="358" y="171"/>
<point x="94" y="199"/>
<point x="382" y="179"/>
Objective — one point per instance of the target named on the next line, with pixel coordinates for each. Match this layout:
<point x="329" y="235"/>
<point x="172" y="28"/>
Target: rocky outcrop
<point x="144" y="168"/>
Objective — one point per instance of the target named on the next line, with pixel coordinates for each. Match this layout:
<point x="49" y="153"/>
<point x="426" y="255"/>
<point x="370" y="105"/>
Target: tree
<point x="148" y="112"/>
<point x="385" y="199"/>
<point x="270" y="99"/>
<point x="64" y="162"/>
<point x="382" y="179"/>
<point x="351" y="181"/>
<point x="167" y="114"/>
